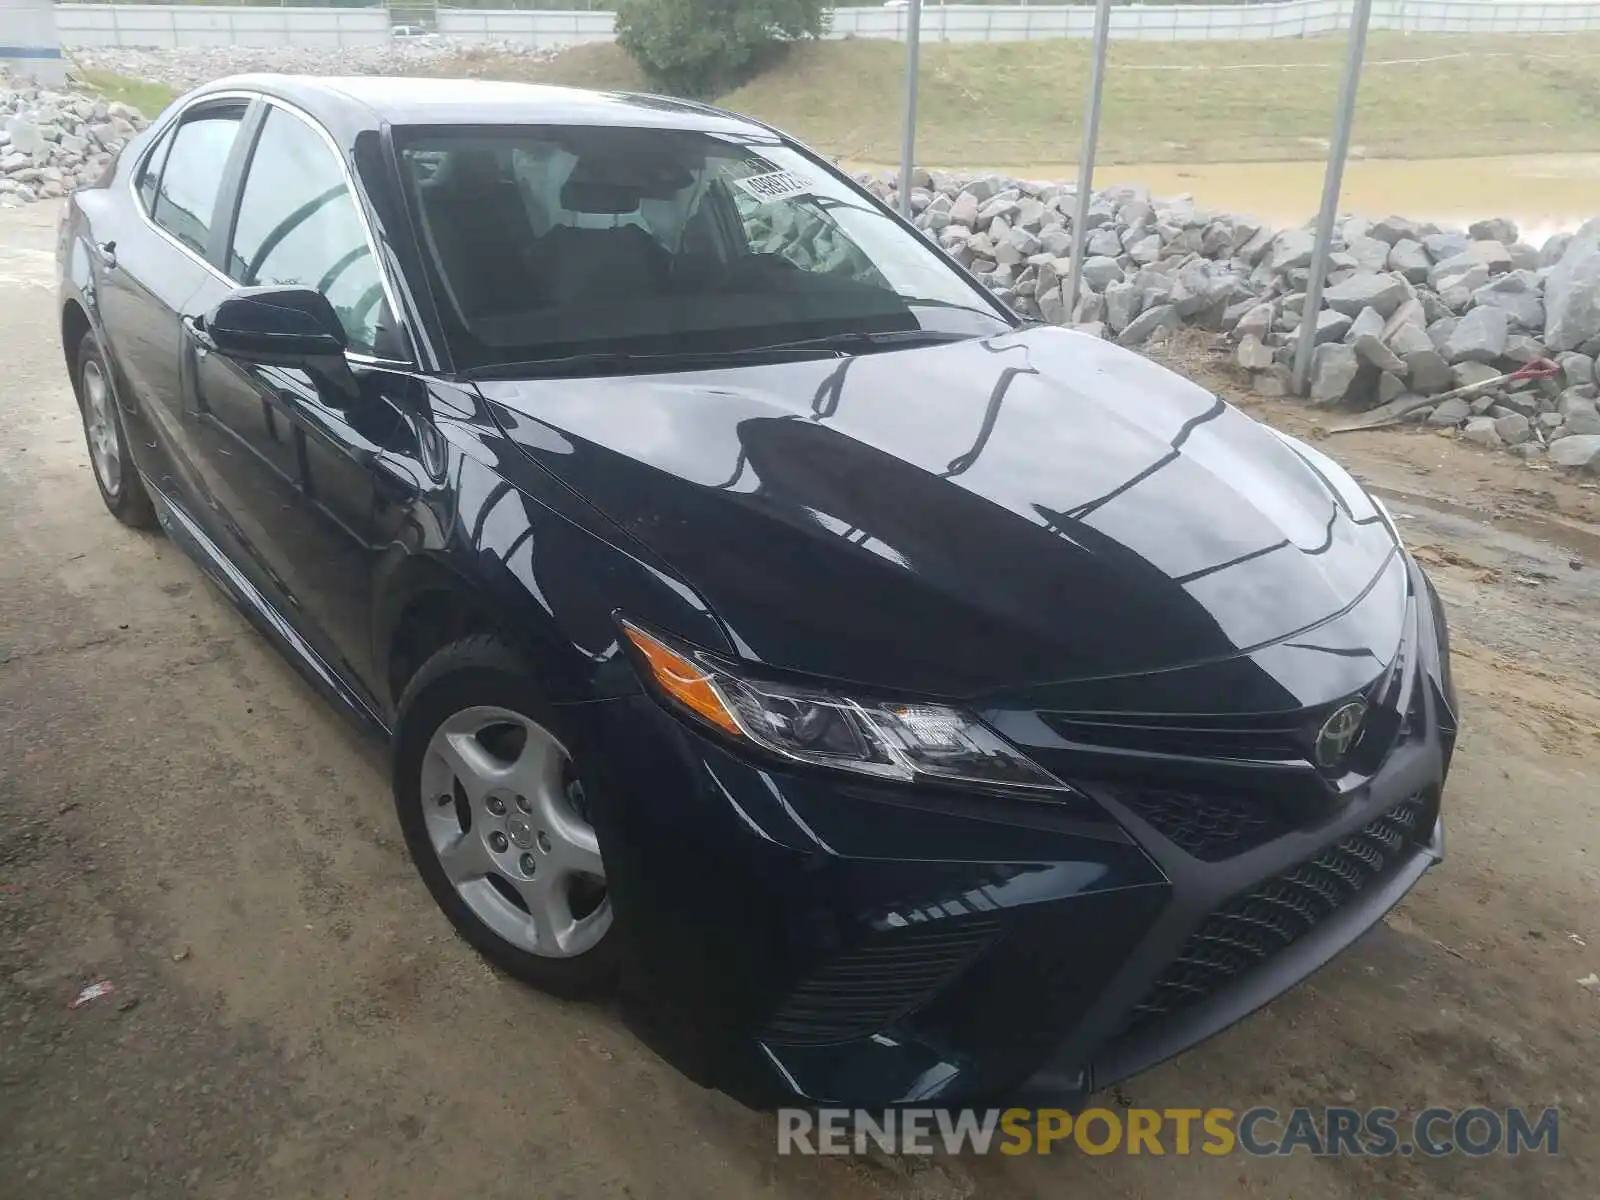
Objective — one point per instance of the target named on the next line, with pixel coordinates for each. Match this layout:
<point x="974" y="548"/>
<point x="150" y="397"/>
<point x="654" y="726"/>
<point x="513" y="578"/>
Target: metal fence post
<point x="908" y="143"/>
<point x="1332" y="180"/>
<point x="1091" y="136"/>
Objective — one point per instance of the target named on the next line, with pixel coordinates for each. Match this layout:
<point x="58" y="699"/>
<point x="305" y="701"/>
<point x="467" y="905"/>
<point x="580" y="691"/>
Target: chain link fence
<point x="121" y="24"/>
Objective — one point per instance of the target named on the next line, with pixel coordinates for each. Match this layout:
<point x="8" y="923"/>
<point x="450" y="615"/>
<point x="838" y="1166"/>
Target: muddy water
<point x="1544" y="193"/>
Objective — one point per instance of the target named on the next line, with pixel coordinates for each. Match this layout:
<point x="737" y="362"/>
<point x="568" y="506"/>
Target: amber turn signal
<point x="686" y="683"/>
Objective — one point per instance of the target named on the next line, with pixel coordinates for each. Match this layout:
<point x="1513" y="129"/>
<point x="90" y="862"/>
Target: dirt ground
<point x="179" y="814"/>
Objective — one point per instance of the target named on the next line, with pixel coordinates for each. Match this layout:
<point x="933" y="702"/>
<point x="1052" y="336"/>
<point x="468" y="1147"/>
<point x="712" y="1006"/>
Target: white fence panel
<point x="192" y="25"/>
<point x="196" y="25"/>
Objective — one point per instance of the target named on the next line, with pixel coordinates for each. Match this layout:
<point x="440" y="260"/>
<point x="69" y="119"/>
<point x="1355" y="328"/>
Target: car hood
<point x="1038" y="506"/>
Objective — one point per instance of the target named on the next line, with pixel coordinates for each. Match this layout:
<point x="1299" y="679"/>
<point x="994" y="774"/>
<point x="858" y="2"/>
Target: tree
<point x="702" y="47"/>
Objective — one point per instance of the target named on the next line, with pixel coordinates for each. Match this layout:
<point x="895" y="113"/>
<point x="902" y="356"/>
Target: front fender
<point x="494" y="536"/>
<point x="79" y="281"/>
<point x="75" y="274"/>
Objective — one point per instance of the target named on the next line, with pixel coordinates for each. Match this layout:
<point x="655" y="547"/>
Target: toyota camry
<point x="889" y="698"/>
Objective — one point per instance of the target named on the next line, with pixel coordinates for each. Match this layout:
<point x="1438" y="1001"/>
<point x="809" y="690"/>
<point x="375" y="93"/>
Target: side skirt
<point x="187" y="535"/>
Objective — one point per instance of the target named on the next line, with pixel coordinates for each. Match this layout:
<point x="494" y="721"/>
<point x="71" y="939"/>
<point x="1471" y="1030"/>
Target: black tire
<point x="127" y="501"/>
<point x="483" y="670"/>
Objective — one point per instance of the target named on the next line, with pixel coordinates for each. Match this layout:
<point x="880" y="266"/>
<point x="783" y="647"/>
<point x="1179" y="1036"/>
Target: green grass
<point x="1421" y="96"/>
<point x="148" y="98"/>
<point x="1009" y="102"/>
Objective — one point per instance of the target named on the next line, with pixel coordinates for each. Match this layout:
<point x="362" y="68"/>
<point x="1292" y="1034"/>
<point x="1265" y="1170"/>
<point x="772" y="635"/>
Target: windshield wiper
<point x="936" y="302"/>
<point x="855" y="342"/>
<point x="611" y="362"/>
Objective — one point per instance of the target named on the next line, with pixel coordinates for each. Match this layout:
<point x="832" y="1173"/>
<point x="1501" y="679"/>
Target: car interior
<point x="540" y="246"/>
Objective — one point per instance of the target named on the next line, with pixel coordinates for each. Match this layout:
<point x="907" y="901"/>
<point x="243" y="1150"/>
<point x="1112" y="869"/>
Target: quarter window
<point x="298" y="224"/>
<point x="150" y="174"/>
<point x="186" y="197"/>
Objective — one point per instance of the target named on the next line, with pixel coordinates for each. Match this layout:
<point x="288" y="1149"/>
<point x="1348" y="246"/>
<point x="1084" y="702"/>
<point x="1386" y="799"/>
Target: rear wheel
<point x="114" y="472"/>
<point x="494" y="813"/>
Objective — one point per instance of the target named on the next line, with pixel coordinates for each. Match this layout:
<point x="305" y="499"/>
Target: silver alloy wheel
<point x="101" y="425"/>
<point x="503" y="814"/>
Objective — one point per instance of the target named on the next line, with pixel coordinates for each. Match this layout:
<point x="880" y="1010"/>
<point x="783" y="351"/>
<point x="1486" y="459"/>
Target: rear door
<point x="150" y="266"/>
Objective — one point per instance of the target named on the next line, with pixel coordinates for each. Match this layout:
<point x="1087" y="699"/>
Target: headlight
<point x="889" y="739"/>
<point x="1388" y="517"/>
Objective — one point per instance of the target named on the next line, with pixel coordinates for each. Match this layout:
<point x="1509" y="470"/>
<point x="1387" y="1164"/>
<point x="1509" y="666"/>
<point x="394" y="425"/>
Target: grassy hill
<point x="995" y="103"/>
<point x="1004" y="102"/>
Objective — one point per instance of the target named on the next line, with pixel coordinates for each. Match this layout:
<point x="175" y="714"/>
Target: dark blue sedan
<point x="896" y="700"/>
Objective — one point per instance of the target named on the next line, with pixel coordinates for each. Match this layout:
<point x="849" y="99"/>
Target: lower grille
<point x="1211" y="828"/>
<point x="1248" y="930"/>
<point x="869" y="987"/>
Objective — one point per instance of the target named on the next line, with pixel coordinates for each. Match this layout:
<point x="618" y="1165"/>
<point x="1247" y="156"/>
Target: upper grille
<point x="1281" y="737"/>
<point x="1210" y="827"/>
<point x="1251" y="928"/>
<point x="1274" y="737"/>
<point x="870" y="986"/>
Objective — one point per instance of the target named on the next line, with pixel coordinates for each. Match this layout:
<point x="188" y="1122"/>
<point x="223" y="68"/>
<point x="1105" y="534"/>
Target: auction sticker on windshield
<point x="774" y="185"/>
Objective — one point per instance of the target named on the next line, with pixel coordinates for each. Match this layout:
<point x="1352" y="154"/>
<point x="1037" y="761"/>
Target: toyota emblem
<point x="1338" y="733"/>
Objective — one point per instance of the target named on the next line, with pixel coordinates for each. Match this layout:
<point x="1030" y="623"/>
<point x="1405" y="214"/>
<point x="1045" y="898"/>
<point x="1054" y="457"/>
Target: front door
<point x="292" y="455"/>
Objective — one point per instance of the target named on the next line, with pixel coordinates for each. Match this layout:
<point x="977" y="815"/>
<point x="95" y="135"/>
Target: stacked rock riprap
<point x="52" y="142"/>
<point x="1409" y="310"/>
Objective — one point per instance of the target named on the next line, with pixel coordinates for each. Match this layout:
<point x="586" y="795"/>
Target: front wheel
<point x="493" y="809"/>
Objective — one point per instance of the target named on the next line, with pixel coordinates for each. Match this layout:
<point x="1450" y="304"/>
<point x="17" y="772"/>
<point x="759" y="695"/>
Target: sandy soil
<point x="181" y="815"/>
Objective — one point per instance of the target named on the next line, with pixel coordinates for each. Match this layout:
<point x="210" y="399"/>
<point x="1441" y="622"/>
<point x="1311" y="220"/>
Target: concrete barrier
<point x="28" y="41"/>
<point x="207" y="25"/>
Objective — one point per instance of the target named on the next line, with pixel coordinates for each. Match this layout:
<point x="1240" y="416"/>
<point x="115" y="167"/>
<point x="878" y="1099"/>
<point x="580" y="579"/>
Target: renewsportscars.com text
<point x="1261" y="1131"/>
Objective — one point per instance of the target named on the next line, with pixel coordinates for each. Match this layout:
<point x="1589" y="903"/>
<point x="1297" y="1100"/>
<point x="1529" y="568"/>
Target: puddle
<point x="1530" y="529"/>
<point x="1543" y="193"/>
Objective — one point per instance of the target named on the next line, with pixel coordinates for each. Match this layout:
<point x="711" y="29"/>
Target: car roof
<point x="350" y="103"/>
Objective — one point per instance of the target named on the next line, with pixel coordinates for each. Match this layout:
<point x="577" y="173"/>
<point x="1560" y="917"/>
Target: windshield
<point x="543" y="242"/>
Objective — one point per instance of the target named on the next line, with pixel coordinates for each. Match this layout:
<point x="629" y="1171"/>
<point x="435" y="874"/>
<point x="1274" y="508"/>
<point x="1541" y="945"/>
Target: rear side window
<point x="298" y="224"/>
<point x="186" y="197"/>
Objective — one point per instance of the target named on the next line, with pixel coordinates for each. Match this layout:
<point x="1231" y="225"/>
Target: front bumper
<point x="796" y="936"/>
<point x="1128" y="1055"/>
<point x="1231" y="980"/>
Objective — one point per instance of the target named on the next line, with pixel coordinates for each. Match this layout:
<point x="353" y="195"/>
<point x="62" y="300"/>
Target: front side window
<point x="185" y="200"/>
<point x="298" y="224"/>
<point x="547" y="241"/>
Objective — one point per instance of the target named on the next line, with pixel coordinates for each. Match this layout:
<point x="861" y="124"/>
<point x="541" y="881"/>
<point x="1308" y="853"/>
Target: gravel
<point x="1579" y="450"/>
<point x="1478" y="337"/>
<point x="1572" y="293"/>
<point x="185" y="67"/>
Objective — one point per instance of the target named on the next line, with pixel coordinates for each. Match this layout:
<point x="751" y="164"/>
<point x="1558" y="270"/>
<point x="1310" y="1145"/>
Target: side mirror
<point x="276" y="326"/>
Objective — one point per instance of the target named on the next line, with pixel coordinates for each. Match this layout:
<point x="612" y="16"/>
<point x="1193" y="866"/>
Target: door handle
<point x="195" y="327"/>
<point x="108" y="254"/>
